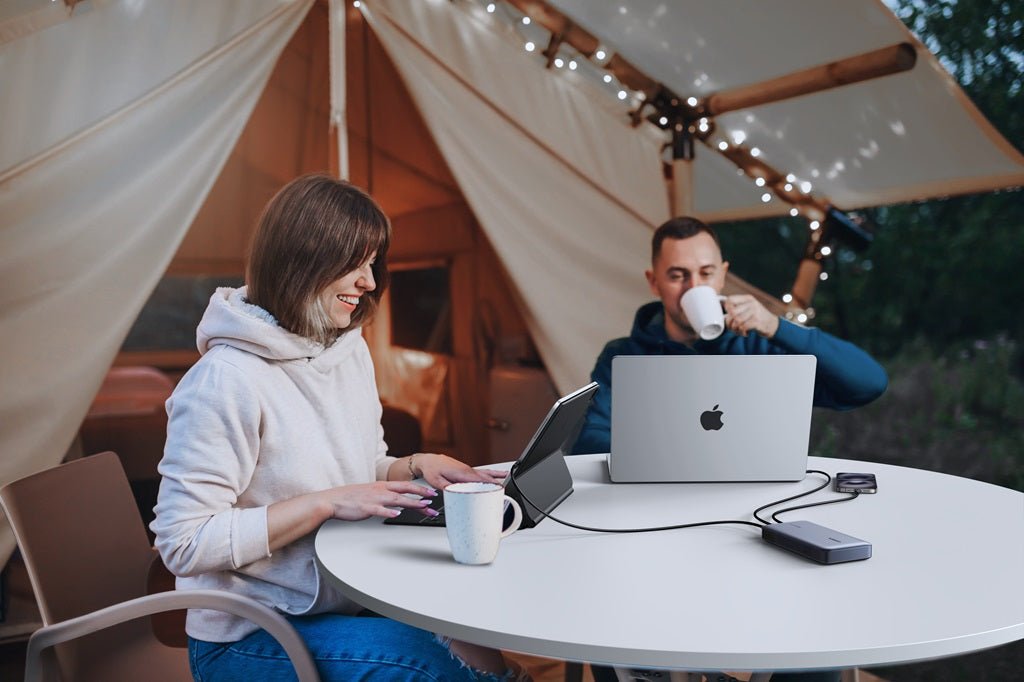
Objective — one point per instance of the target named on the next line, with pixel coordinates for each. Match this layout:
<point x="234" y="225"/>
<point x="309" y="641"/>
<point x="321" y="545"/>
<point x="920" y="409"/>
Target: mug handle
<point x="517" y="517"/>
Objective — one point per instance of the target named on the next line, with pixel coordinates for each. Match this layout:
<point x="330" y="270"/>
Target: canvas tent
<point x="120" y="115"/>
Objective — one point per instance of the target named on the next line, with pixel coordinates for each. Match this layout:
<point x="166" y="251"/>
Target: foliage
<point x="960" y="412"/>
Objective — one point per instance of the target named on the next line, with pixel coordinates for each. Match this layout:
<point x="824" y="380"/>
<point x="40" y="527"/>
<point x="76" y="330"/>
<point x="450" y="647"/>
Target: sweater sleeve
<point x="596" y="434"/>
<point x="846" y="376"/>
<point x="209" y="458"/>
<point x="381" y="461"/>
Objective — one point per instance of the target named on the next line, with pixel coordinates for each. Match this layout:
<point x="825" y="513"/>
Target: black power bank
<point x="818" y="543"/>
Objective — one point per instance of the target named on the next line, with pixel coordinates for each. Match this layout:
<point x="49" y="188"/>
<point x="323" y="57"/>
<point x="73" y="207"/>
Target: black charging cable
<point x="515" y="467"/>
<point x="775" y="515"/>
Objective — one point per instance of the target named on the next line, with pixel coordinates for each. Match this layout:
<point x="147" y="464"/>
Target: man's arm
<point x="846" y="376"/>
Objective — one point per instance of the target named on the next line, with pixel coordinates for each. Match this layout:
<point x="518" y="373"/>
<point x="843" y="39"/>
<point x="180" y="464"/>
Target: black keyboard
<point x="415" y="517"/>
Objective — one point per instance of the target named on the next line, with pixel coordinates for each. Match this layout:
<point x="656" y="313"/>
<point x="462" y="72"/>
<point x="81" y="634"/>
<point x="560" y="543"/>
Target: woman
<point x="275" y="430"/>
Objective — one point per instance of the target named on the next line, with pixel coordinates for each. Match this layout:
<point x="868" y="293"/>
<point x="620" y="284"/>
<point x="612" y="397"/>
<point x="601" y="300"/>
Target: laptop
<point x="710" y="418"/>
<point x="542" y="476"/>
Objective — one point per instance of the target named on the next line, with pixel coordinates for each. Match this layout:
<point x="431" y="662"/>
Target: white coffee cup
<point x="473" y="513"/>
<point x="703" y="309"/>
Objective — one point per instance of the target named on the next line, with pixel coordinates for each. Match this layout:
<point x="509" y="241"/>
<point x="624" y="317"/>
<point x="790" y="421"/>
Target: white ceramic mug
<point x="703" y="309"/>
<point x="473" y="513"/>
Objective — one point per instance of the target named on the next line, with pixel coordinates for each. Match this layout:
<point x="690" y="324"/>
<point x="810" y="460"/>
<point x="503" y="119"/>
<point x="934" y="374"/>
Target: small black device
<point x="818" y="543"/>
<point x="541" y="471"/>
<point x="847" y="482"/>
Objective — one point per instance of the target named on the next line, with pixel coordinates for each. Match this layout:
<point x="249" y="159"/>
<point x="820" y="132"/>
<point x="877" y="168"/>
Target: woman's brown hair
<point x="315" y="230"/>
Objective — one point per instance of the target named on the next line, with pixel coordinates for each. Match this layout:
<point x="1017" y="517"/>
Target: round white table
<point x="946" y="576"/>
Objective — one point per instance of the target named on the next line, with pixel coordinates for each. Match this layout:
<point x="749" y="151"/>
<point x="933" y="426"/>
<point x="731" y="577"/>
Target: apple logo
<point x="711" y="420"/>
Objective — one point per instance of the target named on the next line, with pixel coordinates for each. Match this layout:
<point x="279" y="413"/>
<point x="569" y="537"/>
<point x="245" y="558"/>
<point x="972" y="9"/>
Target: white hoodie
<point x="265" y="415"/>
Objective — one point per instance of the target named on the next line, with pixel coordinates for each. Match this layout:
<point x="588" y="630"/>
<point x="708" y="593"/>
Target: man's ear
<point x="725" y="267"/>
<point x="649" y="274"/>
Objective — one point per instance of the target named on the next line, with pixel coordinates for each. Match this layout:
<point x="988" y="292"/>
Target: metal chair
<point x="88" y="560"/>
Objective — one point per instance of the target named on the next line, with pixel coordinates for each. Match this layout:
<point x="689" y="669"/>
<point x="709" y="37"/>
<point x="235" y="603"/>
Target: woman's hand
<point x="358" y="502"/>
<point x="441" y="470"/>
<point x="289" y="520"/>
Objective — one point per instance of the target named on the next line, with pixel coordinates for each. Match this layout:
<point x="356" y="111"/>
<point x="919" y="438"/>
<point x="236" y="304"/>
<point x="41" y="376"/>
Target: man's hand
<point x="745" y="314"/>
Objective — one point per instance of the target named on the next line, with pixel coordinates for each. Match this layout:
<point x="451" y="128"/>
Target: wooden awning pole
<point x="681" y="198"/>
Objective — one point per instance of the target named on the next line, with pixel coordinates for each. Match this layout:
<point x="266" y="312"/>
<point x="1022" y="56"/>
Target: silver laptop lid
<point x="704" y="418"/>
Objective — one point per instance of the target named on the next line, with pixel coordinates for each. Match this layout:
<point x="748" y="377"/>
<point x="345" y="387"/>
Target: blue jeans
<point x="349" y="648"/>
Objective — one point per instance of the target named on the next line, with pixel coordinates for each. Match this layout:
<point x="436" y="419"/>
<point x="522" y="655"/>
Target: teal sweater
<point x="846" y="376"/>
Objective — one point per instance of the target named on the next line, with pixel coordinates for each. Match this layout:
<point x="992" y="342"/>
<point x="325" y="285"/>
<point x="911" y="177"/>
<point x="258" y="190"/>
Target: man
<point x="685" y="253"/>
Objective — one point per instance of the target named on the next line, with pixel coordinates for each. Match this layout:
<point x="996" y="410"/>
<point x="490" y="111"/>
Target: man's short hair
<point x="682" y="227"/>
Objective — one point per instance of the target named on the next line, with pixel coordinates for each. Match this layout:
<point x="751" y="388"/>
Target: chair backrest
<point x="84" y="548"/>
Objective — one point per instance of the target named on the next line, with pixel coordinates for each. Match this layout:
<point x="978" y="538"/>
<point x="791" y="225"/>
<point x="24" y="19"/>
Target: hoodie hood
<point x="230" y="320"/>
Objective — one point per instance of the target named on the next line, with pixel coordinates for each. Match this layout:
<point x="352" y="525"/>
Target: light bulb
<point x="692" y="101"/>
<point x="787" y="298"/>
<point x="794" y="212"/>
<point x="755" y="152"/>
<point x="826" y="250"/>
<point x="815" y="224"/>
<point x="766" y="197"/>
<point x="526" y="21"/>
<point x="529" y="46"/>
<point x="607" y="78"/>
<point x="759" y="182"/>
<point x="723" y="145"/>
<point x="623" y="94"/>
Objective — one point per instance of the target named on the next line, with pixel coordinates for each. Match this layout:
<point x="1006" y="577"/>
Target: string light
<point x="572" y="65"/>
<point x="826" y="250"/>
<point x="663" y="120"/>
<point x="801" y="318"/>
<point x="766" y="197"/>
<point x="823" y="276"/>
<point x="723" y="145"/>
<point x="738" y="136"/>
<point x="600" y="55"/>
<point x="559" y="62"/>
<point x="623" y="94"/>
<point x="805" y="187"/>
<point x="787" y="298"/>
<point x="529" y="46"/>
<point x="692" y="101"/>
<point x="815" y="224"/>
<point x="357" y="4"/>
<point x="794" y="212"/>
<point x="759" y="182"/>
<point x="526" y="21"/>
<point x="755" y="152"/>
<point x="790" y="177"/>
<point x="607" y="78"/>
<point x="703" y="125"/>
<point x="490" y="8"/>
<point x="788" y="187"/>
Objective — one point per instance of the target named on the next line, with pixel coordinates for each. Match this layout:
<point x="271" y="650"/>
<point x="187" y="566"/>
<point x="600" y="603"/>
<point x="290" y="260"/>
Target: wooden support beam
<point x="874" y="64"/>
